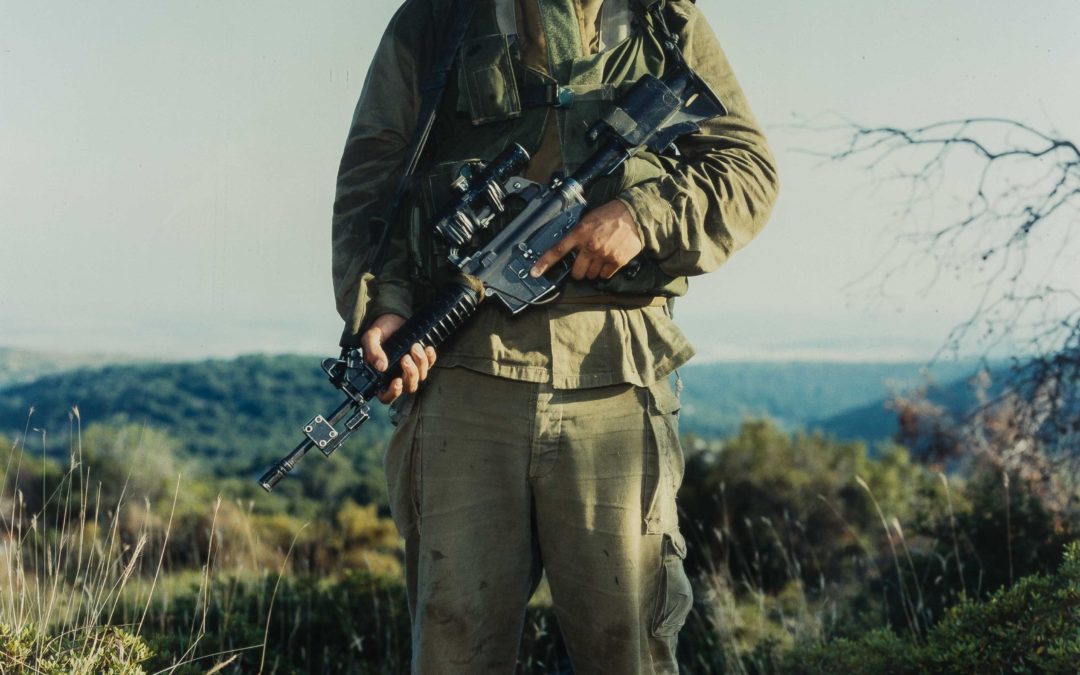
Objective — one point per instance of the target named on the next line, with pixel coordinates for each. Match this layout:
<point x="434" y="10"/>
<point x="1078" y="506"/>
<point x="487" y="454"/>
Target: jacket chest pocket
<point x="488" y="89"/>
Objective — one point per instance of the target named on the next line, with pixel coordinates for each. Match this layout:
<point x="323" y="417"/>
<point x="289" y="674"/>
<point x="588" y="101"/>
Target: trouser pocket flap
<point x="674" y="597"/>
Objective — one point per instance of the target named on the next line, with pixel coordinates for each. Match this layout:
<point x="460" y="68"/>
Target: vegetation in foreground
<point x="809" y="556"/>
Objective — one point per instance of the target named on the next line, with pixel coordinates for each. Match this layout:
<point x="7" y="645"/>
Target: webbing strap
<point x="612" y="299"/>
<point x="431" y="95"/>
<point x="565" y="96"/>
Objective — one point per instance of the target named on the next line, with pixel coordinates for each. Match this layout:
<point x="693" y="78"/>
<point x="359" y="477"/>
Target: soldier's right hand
<point x="414" y="365"/>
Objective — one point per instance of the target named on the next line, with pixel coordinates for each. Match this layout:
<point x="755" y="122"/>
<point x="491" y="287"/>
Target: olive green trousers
<point x="493" y="480"/>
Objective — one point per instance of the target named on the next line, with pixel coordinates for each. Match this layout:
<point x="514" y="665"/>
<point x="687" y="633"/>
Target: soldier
<point x="545" y="441"/>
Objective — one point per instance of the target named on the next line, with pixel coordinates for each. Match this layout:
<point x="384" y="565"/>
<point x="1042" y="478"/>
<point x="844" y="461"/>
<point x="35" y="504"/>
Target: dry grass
<point x="78" y="564"/>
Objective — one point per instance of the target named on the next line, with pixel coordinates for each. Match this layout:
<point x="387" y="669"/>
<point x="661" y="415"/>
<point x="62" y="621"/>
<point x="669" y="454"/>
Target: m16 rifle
<point x="652" y="114"/>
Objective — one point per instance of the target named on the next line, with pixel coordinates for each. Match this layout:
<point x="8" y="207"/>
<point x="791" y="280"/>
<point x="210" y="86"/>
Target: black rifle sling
<point x="431" y="92"/>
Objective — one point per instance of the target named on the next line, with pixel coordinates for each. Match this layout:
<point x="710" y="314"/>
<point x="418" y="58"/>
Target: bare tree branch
<point x="1010" y="226"/>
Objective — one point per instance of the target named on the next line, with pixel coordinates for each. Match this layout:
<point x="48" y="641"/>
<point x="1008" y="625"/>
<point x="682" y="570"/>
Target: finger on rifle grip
<point x="419" y="357"/>
<point x="373" y="350"/>
<point x="410" y="374"/>
<point x="392" y="391"/>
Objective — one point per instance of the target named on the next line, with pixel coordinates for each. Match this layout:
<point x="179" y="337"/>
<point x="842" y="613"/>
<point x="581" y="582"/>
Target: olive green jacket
<point x="694" y="209"/>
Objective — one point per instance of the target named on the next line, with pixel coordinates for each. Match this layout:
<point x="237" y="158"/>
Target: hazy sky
<point x="167" y="168"/>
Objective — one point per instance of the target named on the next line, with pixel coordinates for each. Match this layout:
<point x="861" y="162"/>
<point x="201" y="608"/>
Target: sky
<point x="167" y="169"/>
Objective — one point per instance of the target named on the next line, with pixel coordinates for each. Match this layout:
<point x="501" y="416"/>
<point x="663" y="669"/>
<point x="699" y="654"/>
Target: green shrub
<point x="879" y="652"/>
<point x="100" y="650"/>
<point x="358" y="624"/>
<point x="774" y="508"/>
<point x="1009" y="531"/>
<point x="1033" y="627"/>
<point x="1001" y="533"/>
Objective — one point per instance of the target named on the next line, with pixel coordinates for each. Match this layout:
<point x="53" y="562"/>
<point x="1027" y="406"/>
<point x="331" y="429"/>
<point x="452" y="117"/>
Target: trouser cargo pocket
<point x="674" y="597"/>
<point x="663" y="461"/>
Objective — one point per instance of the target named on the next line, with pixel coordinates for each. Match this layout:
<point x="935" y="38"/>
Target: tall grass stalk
<point x="952" y="532"/>
<point x="69" y="565"/>
<point x="910" y="613"/>
<point x="273" y="597"/>
<point x="161" y="557"/>
<point x="1008" y="523"/>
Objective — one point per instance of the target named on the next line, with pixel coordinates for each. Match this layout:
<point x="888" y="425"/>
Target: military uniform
<point x="547" y="438"/>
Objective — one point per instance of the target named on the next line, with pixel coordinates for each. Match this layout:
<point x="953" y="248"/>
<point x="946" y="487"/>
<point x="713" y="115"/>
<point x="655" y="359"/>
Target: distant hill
<point x="811" y="395"/>
<point x="866" y="421"/>
<point x="236" y="414"/>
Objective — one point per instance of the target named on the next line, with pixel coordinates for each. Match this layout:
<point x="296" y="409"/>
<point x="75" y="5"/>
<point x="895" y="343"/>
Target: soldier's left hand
<point x="606" y="239"/>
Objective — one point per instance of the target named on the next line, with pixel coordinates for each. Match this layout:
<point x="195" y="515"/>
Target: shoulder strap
<point x="657" y="11"/>
<point x="431" y="94"/>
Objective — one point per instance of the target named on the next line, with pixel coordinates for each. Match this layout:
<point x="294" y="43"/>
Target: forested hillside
<point x="234" y="417"/>
<point x="237" y="414"/>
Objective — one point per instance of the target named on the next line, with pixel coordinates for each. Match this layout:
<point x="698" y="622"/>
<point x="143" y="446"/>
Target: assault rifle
<point x="652" y="114"/>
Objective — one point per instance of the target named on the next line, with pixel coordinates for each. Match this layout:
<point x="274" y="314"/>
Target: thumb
<point x="373" y="351"/>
